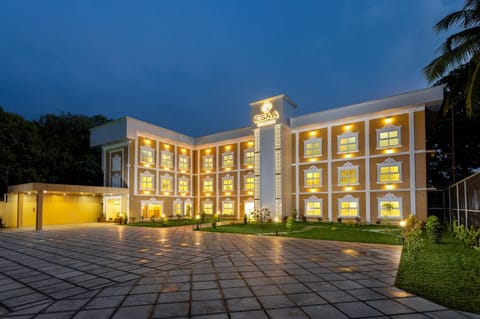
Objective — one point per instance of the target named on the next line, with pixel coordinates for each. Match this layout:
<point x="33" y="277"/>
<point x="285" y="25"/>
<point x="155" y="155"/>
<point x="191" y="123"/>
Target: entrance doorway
<point x="113" y="207"/>
<point x="249" y="208"/>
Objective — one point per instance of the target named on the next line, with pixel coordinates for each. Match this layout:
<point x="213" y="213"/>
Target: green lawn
<point x="328" y="231"/>
<point x="446" y="273"/>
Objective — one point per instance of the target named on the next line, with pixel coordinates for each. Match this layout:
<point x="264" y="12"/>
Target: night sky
<point x="193" y="66"/>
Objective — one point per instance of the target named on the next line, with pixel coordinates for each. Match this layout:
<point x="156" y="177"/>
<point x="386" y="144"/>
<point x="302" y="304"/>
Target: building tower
<point x="273" y="154"/>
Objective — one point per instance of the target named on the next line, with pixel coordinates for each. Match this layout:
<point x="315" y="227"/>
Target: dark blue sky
<point x="193" y="66"/>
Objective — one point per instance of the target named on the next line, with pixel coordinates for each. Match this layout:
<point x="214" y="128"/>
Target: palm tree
<point x="461" y="49"/>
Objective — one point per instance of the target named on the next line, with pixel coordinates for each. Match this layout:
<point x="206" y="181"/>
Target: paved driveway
<point x="111" y="271"/>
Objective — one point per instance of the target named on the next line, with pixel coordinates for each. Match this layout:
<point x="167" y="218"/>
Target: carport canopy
<point x="41" y="190"/>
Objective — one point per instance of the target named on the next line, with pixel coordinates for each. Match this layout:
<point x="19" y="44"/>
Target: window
<point x="183" y="184"/>
<point x="116" y="163"/>
<point x="348" y="174"/>
<point x="166" y="183"/>
<point x="151" y="208"/>
<point x="207" y="184"/>
<point x="389" y="136"/>
<point x="389" y="171"/>
<point x="183" y="162"/>
<point x="207" y="207"/>
<point x="227" y="160"/>
<point x="313" y="207"/>
<point x="116" y="180"/>
<point x="146" y="181"/>
<point x="249" y="157"/>
<point x="348" y="206"/>
<point x="177" y="207"/>
<point x="312" y="147"/>
<point x="347" y="142"/>
<point x="313" y="177"/>
<point x="249" y="182"/>
<point x="227" y="207"/>
<point x="227" y="183"/>
<point x="166" y="159"/>
<point x="390" y="206"/>
<point x="147" y="154"/>
<point x="207" y="162"/>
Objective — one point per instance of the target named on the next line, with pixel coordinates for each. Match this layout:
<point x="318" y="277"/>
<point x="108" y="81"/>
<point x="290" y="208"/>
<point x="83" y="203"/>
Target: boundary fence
<point x="460" y="201"/>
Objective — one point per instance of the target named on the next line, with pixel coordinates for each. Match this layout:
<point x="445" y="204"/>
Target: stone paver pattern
<point x="112" y="271"/>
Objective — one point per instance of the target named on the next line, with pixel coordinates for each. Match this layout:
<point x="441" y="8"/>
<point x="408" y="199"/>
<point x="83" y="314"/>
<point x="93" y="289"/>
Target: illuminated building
<point x="366" y="161"/>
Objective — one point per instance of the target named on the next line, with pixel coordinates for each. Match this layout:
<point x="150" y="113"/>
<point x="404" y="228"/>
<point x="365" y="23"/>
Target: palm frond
<point x="448" y="60"/>
<point x="473" y="90"/>
<point x="471" y="36"/>
<point x="453" y="19"/>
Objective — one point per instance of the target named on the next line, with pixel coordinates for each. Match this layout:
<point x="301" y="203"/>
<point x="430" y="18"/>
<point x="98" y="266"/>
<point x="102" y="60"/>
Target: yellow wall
<point x="8" y="211"/>
<point x="59" y="209"/>
<point x="29" y="211"/>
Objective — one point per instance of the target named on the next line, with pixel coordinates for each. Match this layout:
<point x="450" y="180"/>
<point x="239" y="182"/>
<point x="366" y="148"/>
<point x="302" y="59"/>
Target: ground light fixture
<point x="276" y="225"/>
<point x="198" y="220"/>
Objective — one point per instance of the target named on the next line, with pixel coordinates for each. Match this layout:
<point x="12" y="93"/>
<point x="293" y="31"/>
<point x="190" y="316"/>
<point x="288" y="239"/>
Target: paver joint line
<point x="111" y="271"/>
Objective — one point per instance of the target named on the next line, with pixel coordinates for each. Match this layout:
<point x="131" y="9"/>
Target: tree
<point x="55" y="149"/>
<point x="461" y="49"/>
<point x="67" y="157"/>
<point x="20" y="150"/>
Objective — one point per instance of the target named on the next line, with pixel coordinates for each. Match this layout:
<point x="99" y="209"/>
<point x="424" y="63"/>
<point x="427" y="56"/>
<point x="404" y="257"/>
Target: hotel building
<point x="364" y="161"/>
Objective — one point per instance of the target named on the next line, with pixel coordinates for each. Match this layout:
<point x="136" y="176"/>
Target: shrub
<point x="434" y="229"/>
<point x="469" y="236"/>
<point x="289" y="223"/>
<point x="350" y="223"/>
<point x="339" y="220"/>
<point x="245" y="219"/>
<point x="412" y="234"/>
<point x="214" y="221"/>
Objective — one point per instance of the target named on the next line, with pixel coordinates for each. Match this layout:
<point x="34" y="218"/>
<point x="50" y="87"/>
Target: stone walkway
<point x="110" y="271"/>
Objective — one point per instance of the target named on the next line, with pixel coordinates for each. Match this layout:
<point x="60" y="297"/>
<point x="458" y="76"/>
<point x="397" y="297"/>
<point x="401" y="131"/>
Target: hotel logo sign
<point x="267" y="117"/>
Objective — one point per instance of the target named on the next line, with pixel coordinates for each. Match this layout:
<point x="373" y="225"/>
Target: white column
<point x="238" y="178"/>
<point x="297" y="177"/>
<point x="135" y="168"/>
<point x="329" y="169"/>
<point x="411" y="124"/>
<point x="199" y="169"/>
<point x="175" y="166"/>
<point x="367" y="171"/>
<point x="217" y="194"/>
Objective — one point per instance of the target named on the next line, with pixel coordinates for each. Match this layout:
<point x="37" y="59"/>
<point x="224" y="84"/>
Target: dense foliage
<point x="54" y="149"/>
<point x="455" y="138"/>
<point x="460" y="51"/>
